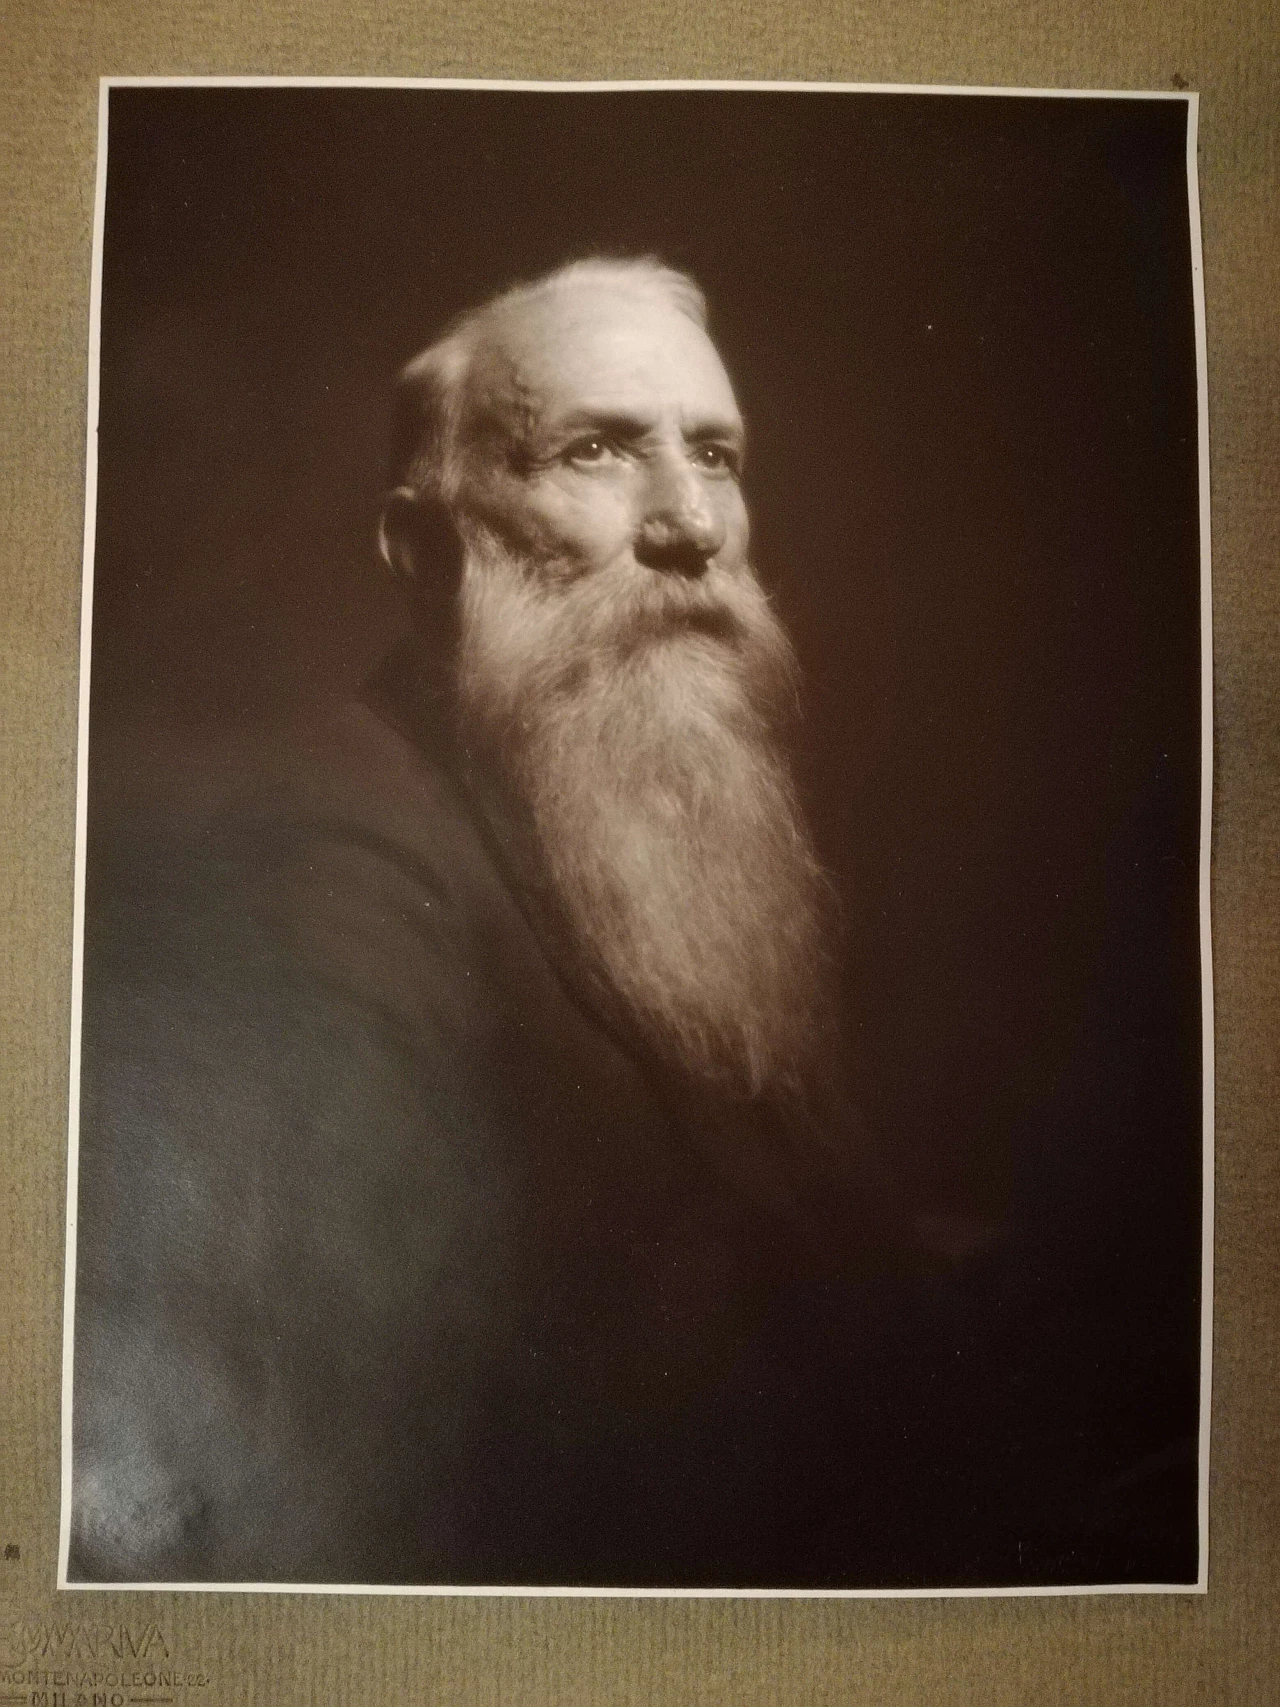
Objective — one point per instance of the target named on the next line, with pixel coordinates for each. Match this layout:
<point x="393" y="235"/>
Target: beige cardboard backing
<point x="1224" y="1648"/>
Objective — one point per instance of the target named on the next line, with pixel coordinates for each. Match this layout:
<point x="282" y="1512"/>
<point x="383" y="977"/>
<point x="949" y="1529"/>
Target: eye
<point x="590" y="450"/>
<point x="714" y="458"/>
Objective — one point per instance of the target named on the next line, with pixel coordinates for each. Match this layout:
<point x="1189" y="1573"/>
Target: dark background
<point x="961" y="331"/>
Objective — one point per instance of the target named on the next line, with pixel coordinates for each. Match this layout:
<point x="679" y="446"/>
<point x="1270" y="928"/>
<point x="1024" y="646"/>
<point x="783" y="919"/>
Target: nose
<point x="681" y="525"/>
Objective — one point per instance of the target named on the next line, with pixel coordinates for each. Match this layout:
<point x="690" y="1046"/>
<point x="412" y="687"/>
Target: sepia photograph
<point x="642" y="1015"/>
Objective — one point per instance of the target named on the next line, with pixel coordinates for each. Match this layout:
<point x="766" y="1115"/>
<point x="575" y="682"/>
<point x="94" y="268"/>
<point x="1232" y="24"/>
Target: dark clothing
<point x="396" y="1266"/>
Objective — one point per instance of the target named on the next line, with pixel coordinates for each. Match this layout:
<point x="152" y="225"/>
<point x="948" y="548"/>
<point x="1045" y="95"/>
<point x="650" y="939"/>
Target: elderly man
<point x="622" y="683"/>
<point x="468" y="1193"/>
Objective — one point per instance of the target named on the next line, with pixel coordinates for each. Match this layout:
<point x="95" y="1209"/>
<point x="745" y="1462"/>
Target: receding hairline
<point x="431" y="389"/>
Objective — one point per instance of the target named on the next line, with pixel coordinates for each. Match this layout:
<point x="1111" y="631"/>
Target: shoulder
<point x="295" y="1158"/>
<point x="334" y="849"/>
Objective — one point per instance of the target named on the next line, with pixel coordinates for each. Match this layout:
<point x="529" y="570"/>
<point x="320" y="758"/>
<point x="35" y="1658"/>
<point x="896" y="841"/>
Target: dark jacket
<point x="396" y="1266"/>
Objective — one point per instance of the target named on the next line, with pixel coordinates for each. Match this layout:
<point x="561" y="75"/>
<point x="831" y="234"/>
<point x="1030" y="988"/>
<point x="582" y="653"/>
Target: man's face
<point x="602" y="437"/>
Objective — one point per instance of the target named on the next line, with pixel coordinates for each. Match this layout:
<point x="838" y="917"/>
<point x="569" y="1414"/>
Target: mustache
<point x="660" y="606"/>
<point x="649" y="622"/>
<point x="711" y="638"/>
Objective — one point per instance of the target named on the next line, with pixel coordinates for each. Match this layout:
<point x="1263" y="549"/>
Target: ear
<point x="398" y="529"/>
<point x="419" y="542"/>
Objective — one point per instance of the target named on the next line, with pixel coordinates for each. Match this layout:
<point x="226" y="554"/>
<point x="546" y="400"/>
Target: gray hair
<point x="431" y="390"/>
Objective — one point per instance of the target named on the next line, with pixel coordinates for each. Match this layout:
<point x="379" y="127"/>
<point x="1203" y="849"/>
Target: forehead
<point x="569" y="350"/>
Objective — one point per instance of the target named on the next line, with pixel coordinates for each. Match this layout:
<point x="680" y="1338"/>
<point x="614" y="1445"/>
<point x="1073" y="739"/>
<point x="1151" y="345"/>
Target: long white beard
<point x="628" y="733"/>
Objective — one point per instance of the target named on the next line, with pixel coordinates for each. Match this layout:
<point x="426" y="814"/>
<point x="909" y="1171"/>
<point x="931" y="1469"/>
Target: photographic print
<point x="643" y="1016"/>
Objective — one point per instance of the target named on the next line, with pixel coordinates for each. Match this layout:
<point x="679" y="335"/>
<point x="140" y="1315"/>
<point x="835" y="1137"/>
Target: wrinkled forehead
<point x="582" y="348"/>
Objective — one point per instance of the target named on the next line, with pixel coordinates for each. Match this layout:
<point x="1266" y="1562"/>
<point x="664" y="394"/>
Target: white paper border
<point x="1192" y="101"/>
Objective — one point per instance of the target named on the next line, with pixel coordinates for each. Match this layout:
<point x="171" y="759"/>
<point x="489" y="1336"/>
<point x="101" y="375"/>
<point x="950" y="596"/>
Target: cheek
<point x="567" y="529"/>
<point x="586" y="528"/>
<point x="737" y="528"/>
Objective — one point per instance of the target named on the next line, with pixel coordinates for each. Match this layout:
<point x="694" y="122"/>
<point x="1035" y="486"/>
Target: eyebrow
<point x="620" y="424"/>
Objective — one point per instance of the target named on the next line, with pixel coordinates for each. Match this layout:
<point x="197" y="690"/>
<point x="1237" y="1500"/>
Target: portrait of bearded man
<point x="641" y="1020"/>
<point x="507" y="1218"/>
<point x="623" y="686"/>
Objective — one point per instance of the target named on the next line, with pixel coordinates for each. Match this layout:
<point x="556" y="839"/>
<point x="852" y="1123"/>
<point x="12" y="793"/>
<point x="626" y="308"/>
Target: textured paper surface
<point x="1221" y="1648"/>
